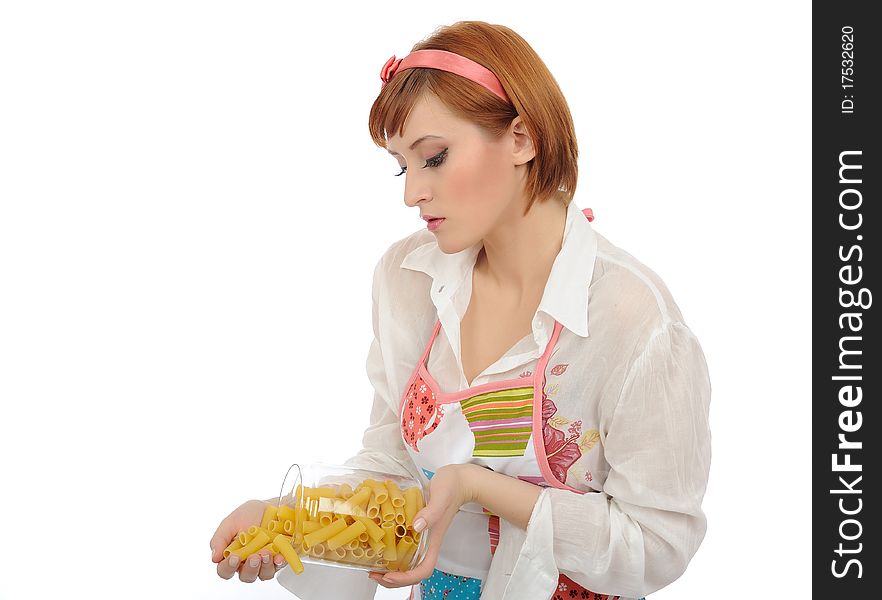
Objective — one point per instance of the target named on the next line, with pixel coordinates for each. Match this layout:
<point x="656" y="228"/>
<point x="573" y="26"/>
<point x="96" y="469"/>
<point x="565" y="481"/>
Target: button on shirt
<point x="630" y="384"/>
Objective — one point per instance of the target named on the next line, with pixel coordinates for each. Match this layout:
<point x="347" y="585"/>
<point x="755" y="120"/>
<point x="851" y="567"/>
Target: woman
<point x="541" y="381"/>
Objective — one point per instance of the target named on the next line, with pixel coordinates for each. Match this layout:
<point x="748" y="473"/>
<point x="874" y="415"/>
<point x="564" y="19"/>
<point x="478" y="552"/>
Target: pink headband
<point x="445" y="61"/>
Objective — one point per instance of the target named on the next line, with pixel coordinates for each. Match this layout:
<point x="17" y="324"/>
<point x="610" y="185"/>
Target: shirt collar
<point x="565" y="298"/>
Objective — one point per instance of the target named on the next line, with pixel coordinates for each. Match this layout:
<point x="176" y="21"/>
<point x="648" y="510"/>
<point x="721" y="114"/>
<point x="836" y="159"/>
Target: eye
<point x="435" y="161"/>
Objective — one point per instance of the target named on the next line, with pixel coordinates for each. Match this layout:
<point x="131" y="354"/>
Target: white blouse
<point x="631" y="387"/>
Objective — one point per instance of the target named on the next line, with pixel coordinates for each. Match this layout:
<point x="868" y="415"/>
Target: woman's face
<point x="457" y="171"/>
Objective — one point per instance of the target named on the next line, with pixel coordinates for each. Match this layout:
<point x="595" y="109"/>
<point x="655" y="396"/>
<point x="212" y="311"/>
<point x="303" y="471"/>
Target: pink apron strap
<point x="588" y="213"/>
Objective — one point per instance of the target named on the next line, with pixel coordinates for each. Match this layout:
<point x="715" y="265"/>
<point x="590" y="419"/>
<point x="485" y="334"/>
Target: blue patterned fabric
<point x="443" y="586"/>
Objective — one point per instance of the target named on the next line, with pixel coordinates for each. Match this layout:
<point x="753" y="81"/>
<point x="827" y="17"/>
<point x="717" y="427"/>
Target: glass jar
<point x="352" y="518"/>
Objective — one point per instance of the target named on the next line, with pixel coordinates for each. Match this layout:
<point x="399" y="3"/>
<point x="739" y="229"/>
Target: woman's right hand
<point x="258" y="565"/>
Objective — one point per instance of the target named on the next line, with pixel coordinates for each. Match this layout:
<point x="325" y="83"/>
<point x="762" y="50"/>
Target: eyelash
<point x="435" y="161"/>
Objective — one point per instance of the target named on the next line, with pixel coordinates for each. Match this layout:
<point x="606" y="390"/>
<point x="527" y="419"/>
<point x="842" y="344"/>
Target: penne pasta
<point x="395" y="494"/>
<point x="234" y="545"/>
<point x="286" y="512"/>
<point x="269" y="513"/>
<point x="391" y="551"/>
<point x="253" y="546"/>
<point x="373" y="530"/>
<point x="377" y="546"/>
<point x="287" y="551"/>
<point x="388" y="511"/>
<point x="373" y="507"/>
<point x="410" y="509"/>
<point x="379" y="490"/>
<point x="311" y="526"/>
<point x="349" y="534"/>
<point x="370" y="525"/>
<point x="316" y="537"/>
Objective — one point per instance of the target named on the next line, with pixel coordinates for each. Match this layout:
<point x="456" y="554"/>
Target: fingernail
<point x="254" y="561"/>
<point x="265" y="558"/>
<point x="234" y="560"/>
<point x="278" y="561"/>
<point x="419" y="524"/>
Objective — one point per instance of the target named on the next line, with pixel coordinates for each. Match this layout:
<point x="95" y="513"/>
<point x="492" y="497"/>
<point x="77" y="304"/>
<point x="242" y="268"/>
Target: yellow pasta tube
<point x="316" y="537"/>
<point x="395" y="493"/>
<point x="277" y="527"/>
<point x="380" y="491"/>
<point x="244" y="538"/>
<point x="373" y="530"/>
<point x="360" y="498"/>
<point x="400" y="530"/>
<point x="388" y="511"/>
<point x="373" y="507"/>
<point x="403" y="548"/>
<point x="376" y="545"/>
<point x="269" y="513"/>
<point x="408" y="558"/>
<point x="410" y="509"/>
<point x="254" y="545"/>
<point x="270" y="547"/>
<point x="289" y="527"/>
<point x="319" y="492"/>
<point x="390" y="552"/>
<point x="399" y="515"/>
<point x="285" y="512"/>
<point x="234" y="545"/>
<point x="286" y="550"/>
<point x="421" y="502"/>
<point x="353" y="544"/>
<point x="347" y="535"/>
<point x="364" y="537"/>
<point x="311" y="526"/>
<point x="326" y="518"/>
<point x="302" y="517"/>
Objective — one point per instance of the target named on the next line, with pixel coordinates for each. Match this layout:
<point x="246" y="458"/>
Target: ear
<point x="523" y="148"/>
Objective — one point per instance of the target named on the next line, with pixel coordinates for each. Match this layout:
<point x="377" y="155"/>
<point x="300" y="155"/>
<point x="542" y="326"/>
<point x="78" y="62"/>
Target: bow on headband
<point x="388" y="70"/>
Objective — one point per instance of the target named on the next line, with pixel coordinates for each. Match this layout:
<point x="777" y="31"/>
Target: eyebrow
<point x="413" y="145"/>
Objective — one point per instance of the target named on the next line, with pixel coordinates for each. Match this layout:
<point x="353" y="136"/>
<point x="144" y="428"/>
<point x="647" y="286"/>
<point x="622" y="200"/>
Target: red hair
<point x="533" y="91"/>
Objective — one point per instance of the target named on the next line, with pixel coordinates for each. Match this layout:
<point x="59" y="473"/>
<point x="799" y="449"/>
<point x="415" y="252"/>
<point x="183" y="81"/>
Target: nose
<point x="414" y="195"/>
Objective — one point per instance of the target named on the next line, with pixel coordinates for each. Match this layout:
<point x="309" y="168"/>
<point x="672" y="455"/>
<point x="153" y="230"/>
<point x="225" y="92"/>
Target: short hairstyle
<point x="534" y="93"/>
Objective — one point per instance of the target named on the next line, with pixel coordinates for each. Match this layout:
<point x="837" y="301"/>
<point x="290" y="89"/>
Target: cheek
<point x="478" y="184"/>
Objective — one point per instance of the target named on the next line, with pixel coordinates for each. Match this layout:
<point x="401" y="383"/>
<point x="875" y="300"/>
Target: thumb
<point x="423" y="519"/>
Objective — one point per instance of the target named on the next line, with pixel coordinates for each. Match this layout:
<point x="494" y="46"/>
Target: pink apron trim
<point x="442" y="397"/>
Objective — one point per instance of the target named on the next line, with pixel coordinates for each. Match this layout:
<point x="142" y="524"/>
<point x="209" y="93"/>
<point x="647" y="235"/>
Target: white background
<point x="191" y="209"/>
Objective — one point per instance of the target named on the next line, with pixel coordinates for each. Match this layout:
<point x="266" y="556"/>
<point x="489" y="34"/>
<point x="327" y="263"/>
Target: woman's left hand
<point x="448" y="491"/>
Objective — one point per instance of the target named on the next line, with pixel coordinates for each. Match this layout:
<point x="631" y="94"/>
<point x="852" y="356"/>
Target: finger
<point x="221" y="539"/>
<point x="249" y="570"/>
<point x="267" y="568"/>
<point x="420" y="572"/>
<point x="378" y="577"/>
<point x="279" y="561"/>
<point x="227" y="568"/>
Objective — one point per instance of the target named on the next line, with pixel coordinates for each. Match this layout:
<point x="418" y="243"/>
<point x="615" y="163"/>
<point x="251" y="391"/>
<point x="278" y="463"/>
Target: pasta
<point x="369" y="526"/>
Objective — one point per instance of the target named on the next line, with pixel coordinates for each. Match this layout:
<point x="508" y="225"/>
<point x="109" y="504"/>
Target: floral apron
<point x="493" y="425"/>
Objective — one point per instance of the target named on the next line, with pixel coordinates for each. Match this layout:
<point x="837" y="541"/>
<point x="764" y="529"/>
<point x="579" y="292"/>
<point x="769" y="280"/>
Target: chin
<point x="453" y="246"/>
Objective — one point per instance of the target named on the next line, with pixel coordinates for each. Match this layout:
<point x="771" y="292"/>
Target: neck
<point x="518" y="254"/>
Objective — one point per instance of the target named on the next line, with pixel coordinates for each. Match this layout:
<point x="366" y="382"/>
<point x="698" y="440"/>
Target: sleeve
<point x="638" y="534"/>
<point x="382" y="446"/>
<point x="383" y="450"/>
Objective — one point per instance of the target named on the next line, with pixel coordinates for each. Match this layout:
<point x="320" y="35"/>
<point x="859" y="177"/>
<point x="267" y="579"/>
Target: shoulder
<point x="630" y="293"/>
<point x="389" y="275"/>
<point x="395" y="253"/>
